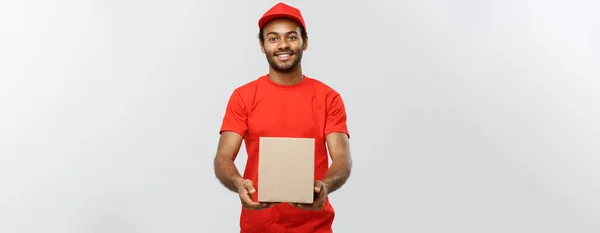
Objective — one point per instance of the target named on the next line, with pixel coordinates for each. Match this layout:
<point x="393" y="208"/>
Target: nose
<point x="283" y="45"/>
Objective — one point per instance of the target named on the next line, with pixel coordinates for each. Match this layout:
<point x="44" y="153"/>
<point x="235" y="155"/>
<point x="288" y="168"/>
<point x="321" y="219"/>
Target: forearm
<point x="338" y="173"/>
<point x="227" y="173"/>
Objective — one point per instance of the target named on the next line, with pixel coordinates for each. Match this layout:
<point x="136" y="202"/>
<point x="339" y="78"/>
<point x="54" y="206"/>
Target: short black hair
<point x="303" y="34"/>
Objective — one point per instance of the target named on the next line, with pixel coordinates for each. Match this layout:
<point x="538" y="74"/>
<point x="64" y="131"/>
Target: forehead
<point x="281" y="25"/>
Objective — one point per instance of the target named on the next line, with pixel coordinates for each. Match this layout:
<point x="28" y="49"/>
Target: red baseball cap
<point x="281" y="10"/>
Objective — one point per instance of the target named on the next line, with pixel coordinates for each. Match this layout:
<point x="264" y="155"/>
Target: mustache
<point x="290" y="51"/>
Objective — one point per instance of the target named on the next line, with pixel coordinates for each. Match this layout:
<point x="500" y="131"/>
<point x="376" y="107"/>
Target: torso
<point x="285" y="111"/>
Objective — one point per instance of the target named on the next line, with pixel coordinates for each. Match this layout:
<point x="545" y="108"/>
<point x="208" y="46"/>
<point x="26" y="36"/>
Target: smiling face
<point x="283" y="44"/>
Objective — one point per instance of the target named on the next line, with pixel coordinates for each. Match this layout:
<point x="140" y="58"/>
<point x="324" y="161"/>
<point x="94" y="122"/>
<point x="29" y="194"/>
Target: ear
<point x="262" y="46"/>
<point x="305" y="44"/>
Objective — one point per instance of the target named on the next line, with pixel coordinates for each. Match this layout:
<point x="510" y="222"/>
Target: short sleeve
<point x="235" y="119"/>
<point x="336" y="116"/>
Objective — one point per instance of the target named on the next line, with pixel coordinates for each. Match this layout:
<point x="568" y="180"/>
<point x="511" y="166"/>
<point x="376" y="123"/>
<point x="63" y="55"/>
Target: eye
<point x="292" y="37"/>
<point x="272" y="39"/>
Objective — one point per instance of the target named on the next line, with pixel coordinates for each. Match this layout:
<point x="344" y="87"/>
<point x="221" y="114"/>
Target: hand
<point x="319" y="201"/>
<point x="246" y="190"/>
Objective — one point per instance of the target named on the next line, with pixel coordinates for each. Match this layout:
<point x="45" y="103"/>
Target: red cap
<point x="281" y="10"/>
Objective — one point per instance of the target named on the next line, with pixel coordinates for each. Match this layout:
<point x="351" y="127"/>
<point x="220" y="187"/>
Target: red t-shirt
<point x="309" y="109"/>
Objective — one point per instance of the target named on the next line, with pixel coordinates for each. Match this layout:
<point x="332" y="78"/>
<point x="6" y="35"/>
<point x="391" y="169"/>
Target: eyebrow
<point x="275" y="33"/>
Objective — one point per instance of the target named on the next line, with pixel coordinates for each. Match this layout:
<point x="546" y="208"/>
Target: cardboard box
<point x="286" y="170"/>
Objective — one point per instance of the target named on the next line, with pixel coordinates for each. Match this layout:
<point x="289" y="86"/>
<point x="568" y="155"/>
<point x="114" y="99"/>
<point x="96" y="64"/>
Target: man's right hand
<point x="246" y="189"/>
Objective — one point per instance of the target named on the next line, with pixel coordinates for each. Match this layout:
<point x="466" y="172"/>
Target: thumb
<point x="249" y="186"/>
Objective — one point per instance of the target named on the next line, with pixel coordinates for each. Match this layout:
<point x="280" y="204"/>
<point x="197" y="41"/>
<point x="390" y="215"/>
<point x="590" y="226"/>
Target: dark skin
<point x="227" y="173"/>
<point x="283" y="36"/>
<point x="337" y="174"/>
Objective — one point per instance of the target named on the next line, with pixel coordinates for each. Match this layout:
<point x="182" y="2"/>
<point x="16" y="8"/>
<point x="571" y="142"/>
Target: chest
<point x="287" y="115"/>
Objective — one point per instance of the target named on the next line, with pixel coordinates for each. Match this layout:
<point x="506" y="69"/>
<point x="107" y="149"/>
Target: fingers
<point x="319" y="198"/>
<point x="317" y="204"/>
<point x="319" y="186"/>
<point x="247" y="200"/>
<point x="320" y="192"/>
<point x="302" y="206"/>
<point x="249" y="186"/>
<point x="249" y="204"/>
<point x="258" y="205"/>
<point x="266" y="205"/>
<point x="313" y="206"/>
<point x="246" y="197"/>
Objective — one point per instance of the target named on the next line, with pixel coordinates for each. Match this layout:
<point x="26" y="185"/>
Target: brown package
<point x="286" y="170"/>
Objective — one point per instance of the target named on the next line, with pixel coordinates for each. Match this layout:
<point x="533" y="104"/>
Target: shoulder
<point x="323" y="88"/>
<point x="247" y="89"/>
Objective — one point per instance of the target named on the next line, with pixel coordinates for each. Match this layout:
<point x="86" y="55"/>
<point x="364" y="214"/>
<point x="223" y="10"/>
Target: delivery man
<point x="284" y="103"/>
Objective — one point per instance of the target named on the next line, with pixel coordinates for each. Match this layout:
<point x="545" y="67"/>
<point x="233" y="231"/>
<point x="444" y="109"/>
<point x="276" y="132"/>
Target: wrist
<point x="237" y="181"/>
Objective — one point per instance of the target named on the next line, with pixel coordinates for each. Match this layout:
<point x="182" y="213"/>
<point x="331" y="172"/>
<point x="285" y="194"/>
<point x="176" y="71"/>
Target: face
<point x="283" y="45"/>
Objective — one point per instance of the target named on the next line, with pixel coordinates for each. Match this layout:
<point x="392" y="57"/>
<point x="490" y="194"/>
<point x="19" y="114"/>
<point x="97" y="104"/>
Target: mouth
<point x="283" y="56"/>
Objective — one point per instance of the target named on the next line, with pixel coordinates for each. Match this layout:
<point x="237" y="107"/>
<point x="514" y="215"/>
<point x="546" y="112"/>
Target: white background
<point x="466" y="116"/>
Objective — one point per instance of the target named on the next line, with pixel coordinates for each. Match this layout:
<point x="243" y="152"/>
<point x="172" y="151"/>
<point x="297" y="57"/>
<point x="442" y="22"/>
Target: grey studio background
<point x="466" y="116"/>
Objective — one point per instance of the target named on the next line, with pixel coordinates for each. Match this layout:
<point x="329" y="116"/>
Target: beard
<point x="287" y="66"/>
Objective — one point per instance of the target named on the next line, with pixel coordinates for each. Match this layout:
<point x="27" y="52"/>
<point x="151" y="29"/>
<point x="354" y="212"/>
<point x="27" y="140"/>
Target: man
<point x="284" y="103"/>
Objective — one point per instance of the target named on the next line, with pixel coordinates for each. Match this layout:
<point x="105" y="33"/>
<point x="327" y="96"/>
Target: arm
<point x="341" y="164"/>
<point x="233" y="129"/>
<point x="225" y="169"/>
<point x="337" y="174"/>
<point x="227" y="173"/>
<point x="339" y="149"/>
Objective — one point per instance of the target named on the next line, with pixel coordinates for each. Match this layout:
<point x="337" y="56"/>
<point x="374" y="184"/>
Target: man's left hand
<point x="320" y="197"/>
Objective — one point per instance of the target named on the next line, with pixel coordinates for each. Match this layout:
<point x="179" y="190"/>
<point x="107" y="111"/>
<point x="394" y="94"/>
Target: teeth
<point x="284" y="55"/>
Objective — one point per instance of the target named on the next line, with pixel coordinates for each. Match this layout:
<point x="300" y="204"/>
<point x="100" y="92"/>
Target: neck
<point x="288" y="78"/>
